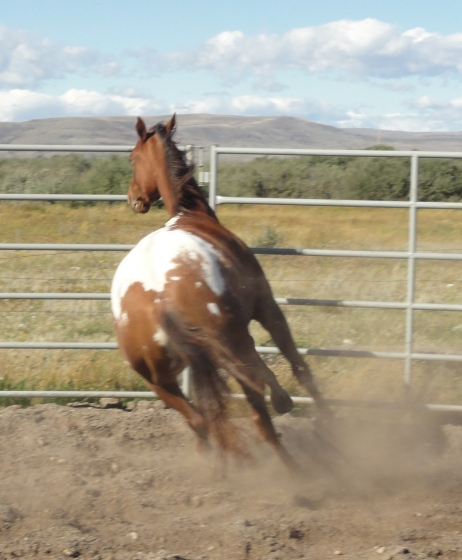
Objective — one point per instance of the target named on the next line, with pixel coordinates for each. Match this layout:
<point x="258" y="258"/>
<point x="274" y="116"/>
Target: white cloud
<point x="405" y="122"/>
<point x="353" y="119"/>
<point x="20" y="105"/>
<point x="428" y="103"/>
<point x="28" y="60"/>
<point x="290" y="106"/>
<point x="423" y="114"/>
<point x="209" y="105"/>
<point x="439" y="114"/>
<point x="363" y="49"/>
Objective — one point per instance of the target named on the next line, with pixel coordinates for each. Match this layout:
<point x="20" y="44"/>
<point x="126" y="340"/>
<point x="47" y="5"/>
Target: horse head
<point x="150" y="173"/>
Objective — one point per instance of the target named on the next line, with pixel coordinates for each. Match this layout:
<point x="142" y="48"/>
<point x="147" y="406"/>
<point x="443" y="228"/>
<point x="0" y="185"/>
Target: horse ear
<point x="141" y="129"/>
<point x="170" y="126"/>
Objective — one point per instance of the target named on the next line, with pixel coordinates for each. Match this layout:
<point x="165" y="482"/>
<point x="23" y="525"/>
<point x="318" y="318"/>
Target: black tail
<point x="206" y="355"/>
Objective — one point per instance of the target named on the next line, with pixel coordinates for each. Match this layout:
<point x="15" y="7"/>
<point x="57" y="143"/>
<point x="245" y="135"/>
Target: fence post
<point x="410" y="296"/>
<point x="189" y="150"/>
<point x="213" y="185"/>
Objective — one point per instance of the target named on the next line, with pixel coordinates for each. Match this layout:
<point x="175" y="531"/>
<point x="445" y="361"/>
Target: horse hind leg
<point x="266" y="428"/>
<point x="174" y="398"/>
<point x="280" y="398"/>
<point x="160" y="376"/>
<point x="204" y="354"/>
<point x="259" y="375"/>
<point x="211" y="395"/>
<point x="272" y="319"/>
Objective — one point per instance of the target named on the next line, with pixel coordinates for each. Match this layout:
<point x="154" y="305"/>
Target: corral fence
<point x="411" y="256"/>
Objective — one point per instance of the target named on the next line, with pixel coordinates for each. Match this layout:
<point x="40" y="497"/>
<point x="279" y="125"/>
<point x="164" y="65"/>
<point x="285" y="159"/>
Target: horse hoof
<point x="282" y="403"/>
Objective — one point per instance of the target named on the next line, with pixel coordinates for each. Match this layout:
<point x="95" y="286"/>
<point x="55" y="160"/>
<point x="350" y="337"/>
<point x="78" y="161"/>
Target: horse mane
<point x="186" y="189"/>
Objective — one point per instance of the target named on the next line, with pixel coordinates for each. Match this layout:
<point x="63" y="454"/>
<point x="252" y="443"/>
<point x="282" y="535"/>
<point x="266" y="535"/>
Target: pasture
<point x="313" y="277"/>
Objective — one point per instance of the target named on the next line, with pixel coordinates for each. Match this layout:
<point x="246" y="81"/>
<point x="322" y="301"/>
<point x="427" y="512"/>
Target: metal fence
<point x="411" y="255"/>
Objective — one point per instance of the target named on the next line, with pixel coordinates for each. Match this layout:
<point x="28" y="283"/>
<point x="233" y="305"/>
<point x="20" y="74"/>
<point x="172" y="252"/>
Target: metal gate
<point x="411" y="256"/>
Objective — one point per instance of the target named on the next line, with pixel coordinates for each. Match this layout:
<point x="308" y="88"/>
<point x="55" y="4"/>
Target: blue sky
<point x="396" y="65"/>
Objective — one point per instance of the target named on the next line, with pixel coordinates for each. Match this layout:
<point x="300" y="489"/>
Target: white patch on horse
<point x="198" y="284"/>
<point x="160" y="252"/>
<point x="175" y="278"/>
<point x="123" y="321"/>
<point x="160" y="336"/>
<point x="213" y="308"/>
<point x="172" y="221"/>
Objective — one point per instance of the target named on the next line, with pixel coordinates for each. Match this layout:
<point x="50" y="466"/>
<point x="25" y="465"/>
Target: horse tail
<point x="206" y="355"/>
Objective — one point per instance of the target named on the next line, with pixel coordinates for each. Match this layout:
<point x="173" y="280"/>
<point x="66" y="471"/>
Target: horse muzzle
<point x="140" y="206"/>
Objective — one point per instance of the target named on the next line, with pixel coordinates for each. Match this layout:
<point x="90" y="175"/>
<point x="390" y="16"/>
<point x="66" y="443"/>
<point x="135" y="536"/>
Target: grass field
<point x="311" y="277"/>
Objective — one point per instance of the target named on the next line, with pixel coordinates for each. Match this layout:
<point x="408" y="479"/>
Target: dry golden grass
<point x="313" y="277"/>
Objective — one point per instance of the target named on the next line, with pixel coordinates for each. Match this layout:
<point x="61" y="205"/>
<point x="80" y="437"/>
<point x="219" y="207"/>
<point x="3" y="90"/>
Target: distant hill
<point x="231" y="131"/>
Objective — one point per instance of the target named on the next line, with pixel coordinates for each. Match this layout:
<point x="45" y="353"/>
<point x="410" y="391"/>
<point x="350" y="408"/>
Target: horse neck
<point x="191" y="199"/>
<point x="180" y="193"/>
<point x="165" y="184"/>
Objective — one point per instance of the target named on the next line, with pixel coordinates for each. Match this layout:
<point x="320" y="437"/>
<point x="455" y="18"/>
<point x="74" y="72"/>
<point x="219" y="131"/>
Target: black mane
<point x="186" y="189"/>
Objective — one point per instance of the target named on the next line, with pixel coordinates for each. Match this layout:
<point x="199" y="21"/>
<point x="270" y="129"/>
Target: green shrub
<point x="339" y="177"/>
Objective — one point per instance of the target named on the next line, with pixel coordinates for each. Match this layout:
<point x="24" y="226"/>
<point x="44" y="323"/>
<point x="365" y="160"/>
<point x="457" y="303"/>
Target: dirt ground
<point x="107" y="483"/>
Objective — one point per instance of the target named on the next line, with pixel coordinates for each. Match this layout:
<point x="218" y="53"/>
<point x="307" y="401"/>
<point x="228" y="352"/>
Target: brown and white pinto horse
<point x="185" y="295"/>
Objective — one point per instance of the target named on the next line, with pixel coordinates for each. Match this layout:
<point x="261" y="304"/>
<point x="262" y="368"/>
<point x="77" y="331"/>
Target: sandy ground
<point x="87" y="482"/>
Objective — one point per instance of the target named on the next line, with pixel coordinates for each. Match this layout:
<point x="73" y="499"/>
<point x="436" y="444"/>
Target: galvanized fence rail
<point x="411" y="256"/>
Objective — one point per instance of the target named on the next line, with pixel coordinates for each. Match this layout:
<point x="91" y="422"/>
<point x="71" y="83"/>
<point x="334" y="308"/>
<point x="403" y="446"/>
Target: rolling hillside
<point x="206" y="130"/>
